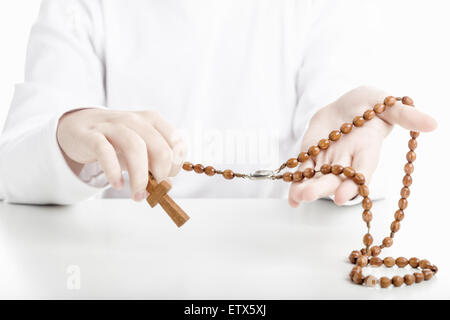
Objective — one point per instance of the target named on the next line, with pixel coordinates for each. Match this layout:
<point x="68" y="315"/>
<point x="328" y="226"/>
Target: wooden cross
<point x="158" y="194"/>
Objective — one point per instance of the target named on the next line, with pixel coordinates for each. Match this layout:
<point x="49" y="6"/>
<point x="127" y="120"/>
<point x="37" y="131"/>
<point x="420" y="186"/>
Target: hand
<point x="134" y="141"/>
<point x="359" y="149"/>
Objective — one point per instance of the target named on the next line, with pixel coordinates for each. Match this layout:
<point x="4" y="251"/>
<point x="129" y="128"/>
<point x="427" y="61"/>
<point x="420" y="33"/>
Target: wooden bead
<point x="409" y="168"/>
<point x="414" y="134"/>
<point x="358" y="278"/>
<point x="228" y="174"/>
<point x="379" y="108"/>
<point x="363" y="251"/>
<point x="309" y="173"/>
<point x="287" y="176"/>
<point x="412" y="144"/>
<point x="409" y="279"/>
<point x="375" y="251"/>
<point x="188" y="166"/>
<point x="363" y="190"/>
<point x="385" y="282"/>
<point x="427" y="274"/>
<point x="199" y="168"/>
<point x="407" y="180"/>
<point x="369" y="114"/>
<point x="367" y="216"/>
<point x="367" y="203"/>
<point x="346" y="128"/>
<point x="325" y="169"/>
<point x="362" y="261"/>
<point x="424" y="264"/>
<point x="370" y="281"/>
<point x="405" y="192"/>
<point x="414" y="262"/>
<point x="402" y="203"/>
<point x="388" y="241"/>
<point x="349" y="172"/>
<point x="376" y="262"/>
<point x="399" y="215"/>
<point x="354" y="255"/>
<point x="367" y="239"/>
<point x="313" y="151"/>
<point x="397" y="281"/>
<point x="324" y="144"/>
<point x="419" y="277"/>
<point x="336" y="169"/>
<point x="358" y="121"/>
<point x="411" y="156"/>
<point x="401" y="262"/>
<point x="408" y="101"/>
<point x="389" y="262"/>
<point x="395" y="226"/>
<point x="334" y="135"/>
<point x="355" y="269"/>
<point x="434" y="268"/>
<point x="359" y="178"/>
<point x="297" y="176"/>
<point x="390" y="101"/>
<point x="303" y="157"/>
<point x="292" y="163"/>
<point x="210" y="171"/>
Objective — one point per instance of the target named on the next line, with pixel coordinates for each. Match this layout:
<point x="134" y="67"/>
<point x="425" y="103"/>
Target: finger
<point x="134" y="150"/>
<point x="107" y="157"/>
<point x="314" y="189"/>
<point x="409" y="118"/>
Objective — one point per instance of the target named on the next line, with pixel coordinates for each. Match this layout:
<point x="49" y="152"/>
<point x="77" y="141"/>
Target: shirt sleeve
<point x="64" y="71"/>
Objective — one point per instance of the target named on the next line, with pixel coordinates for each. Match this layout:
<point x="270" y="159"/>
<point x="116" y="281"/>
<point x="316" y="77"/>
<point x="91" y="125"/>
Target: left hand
<point x="359" y="149"/>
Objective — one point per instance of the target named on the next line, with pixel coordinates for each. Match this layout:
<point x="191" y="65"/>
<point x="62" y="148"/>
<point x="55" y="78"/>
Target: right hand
<point x="136" y="141"/>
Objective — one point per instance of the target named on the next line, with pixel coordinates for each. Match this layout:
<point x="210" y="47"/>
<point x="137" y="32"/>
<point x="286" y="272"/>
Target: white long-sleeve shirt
<point x="240" y="79"/>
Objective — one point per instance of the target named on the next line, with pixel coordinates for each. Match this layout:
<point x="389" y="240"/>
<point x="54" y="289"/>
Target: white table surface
<point x="230" y="249"/>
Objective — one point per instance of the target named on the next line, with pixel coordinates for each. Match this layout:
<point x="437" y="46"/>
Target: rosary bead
<point x="188" y="166"/>
<point x="376" y="261"/>
<point x="409" y="279"/>
<point x="424" y="264"/>
<point x="228" y="174"/>
<point x="297" y="176"/>
<point x="362" y="261"/>
<point x="346" y="128"/>
<point x="367" y="216"/>
<point x="313" y="151"/>
<point x="336" y="169"/>
<point x="324" y="144"/>
<point x="349" y="172"/>
<point x="210" y="171"/>
<point x="334" y="135"/>
<point x="405" y="192"/>
<point x="385" y="282"/>
<point x="199" y="168"/>
<point x="414" y="262"/>
<point x="434" y="268"/>
<point x="292" y="163"/>
<point x="370" y="281"/>
<point x="397" y="281"/>
<point x="363" y="190"/>
<point x="401" y="262"/>
<point x="411" y="156"/>
<point x="325" y="169"/>
<point x="358" y="278"/>
<point x="419" y="277"/>
<point x="303" y="157"/>
<point x="409" y="168"/>
<point x="355" y="269"/>
<point x="354" y="255"/>
<point x="359" y="178"/>
<point x="367" y="203"/>
<point x="427" y="274"/>
<point x="309" y="173"/>
<point x="399" y="215"/>
<point x="402" y="203"/>
<point x="358" y="121"/>
<point x="369" y="114"/>
<point x="389" y="262"/>
<point x="379" y="108"/>
<point x="367" y="239"/>
<point x="387" y="242"/>
<point x="395" y="226"/>
<point x="408" y="101"/>
<point x="375" y="251"/>
<point x="412" y="144"/>
<point x="364" y="251"/>
<point x="287" y="176"/>
<point x="407" y="180"/>
<point x="390" y="101"/>
<point x="414" y="134"/>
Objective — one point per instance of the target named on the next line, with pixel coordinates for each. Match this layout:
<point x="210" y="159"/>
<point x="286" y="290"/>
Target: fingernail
<point x="140" y="196"/>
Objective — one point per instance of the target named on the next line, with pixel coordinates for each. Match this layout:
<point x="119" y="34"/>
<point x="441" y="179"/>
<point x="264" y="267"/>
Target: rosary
<point x="361" y="258"/>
